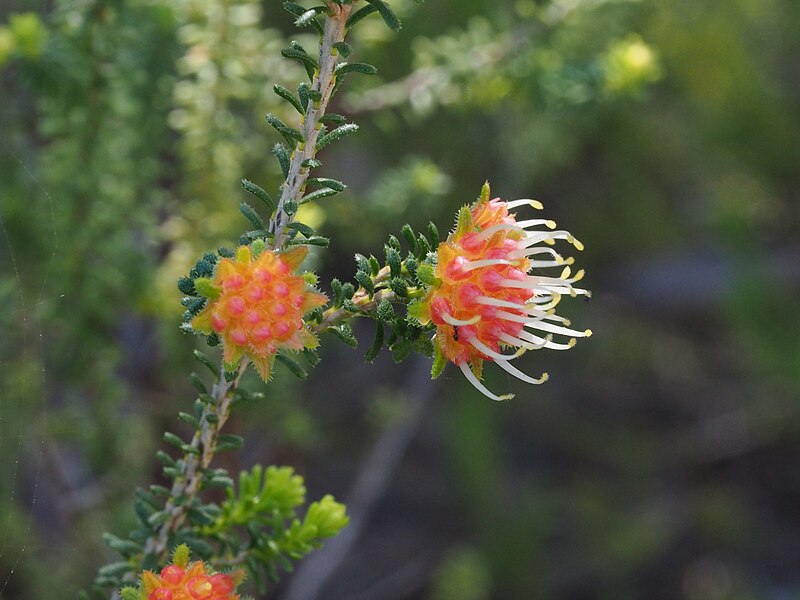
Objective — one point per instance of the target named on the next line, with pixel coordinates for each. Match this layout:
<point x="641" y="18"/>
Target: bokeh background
<point x="661" y="460"/>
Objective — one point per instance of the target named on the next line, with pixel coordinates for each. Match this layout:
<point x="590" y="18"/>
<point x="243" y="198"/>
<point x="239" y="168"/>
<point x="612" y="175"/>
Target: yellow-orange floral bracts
<point x="485" y="304"/>
<point x="256" y="305"/>
<point x="190" y="581"/>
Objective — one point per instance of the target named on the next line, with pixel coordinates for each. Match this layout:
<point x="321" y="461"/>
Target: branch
<point x="204" y="444"/>
<point x="324" y="80"/>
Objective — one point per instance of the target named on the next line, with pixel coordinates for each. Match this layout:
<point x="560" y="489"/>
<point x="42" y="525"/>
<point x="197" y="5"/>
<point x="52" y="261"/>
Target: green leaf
<point x="251" y="215"/>
<point x="121" y="546"/>
<point x="186" y="286"/>
<point x="377" y="343"/>
<point x="173" y="439"/>
<point x="327" y="182"/>
<point x="318" y="194"/>
<point x="298" y="11"/>
<point x="188" y="419"/>
<point x="411" y="239"/>
<point x="374" y="264"/>
<point x="433" y="234"/>
<point x="198" y="383"/>
<point x="365" y="281"/>
<point x="165" y="459"/>
<point x="386" y="312"/>
<point x="159" y="490"/>
<point x="362" y="264"/>
<point x="229" y="441"/>
<point x="281" y="152"/>
<point x="289" y="97"/>
<point x="290" y="207"/>
<point x="411" y="265"/>
<point x="399" y="287"/>
<point x="343" y="48"/>
<point x="309" y="15"/>
<point x="338" y="293"/>
<point x="115" y="569"/>
<point x="301" y="228"/>
<point x="345" y="333"/>
<point x="423" y="247"/>
<point x="388" y="15"/>
<point x="290" y="134"/>
<point x="336" y="134"/>
<point x="333" y="118"/>
<point x="147" y="497"/>
<point x="296" y="52"/>
<point x="364" y="68"/>
<point x="312" y="356"/>
<point x="360" y="14"/>
<point x="393" y="259"/>
<point x="304" y="92"/>
<point x="439" y="362"/>
<point x="401" y="350"/>
<point x="129" y="593"/>
<point x="317" y="240"/>
<point x="293" y="366"/>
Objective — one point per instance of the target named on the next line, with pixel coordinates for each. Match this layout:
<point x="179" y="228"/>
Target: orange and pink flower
<point x="256" y="304"/>
<point x="190" y="582"/>
<point x="485" y="302"/>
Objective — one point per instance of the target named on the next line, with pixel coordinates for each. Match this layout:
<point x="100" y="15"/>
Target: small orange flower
<point x="484" y="300"/>
<point x="191" y="581"/>
<point x="256" y="305"/>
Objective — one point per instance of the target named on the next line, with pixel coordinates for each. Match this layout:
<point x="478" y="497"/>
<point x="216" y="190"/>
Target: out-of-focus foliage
<point x="658" y="462"/>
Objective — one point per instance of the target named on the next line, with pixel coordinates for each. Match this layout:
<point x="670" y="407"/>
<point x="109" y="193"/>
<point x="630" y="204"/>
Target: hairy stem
<point x="324" y="80"/>
<point x="204" y="444"/>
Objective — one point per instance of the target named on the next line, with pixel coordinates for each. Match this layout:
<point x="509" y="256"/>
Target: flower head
<point x="485" y="304"/>
<point x="184" y="580"/>
<point x="256" y="305"/>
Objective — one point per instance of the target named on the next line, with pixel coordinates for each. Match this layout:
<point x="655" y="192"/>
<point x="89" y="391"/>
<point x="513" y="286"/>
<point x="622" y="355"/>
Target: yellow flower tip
<point x="150" y="581"/>
<point x="588" y="333"/>
<point x="570" y="260"/>
<point x="579" y="275"/>
<point x="486" y="192"/>
<point x="572" y="342"/>
<point x="243" y="254"/>
<point x="180" y="556"/>
<point x="577" y="244"/>
<point x="545" y="377"/>
<point x="550" y="224"/>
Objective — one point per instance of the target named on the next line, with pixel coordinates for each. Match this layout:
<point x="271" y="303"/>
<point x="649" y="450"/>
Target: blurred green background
<point x="661" y="460"/>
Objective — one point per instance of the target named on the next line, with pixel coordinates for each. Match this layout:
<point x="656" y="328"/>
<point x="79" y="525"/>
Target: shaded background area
<point x="659" y="461"/>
